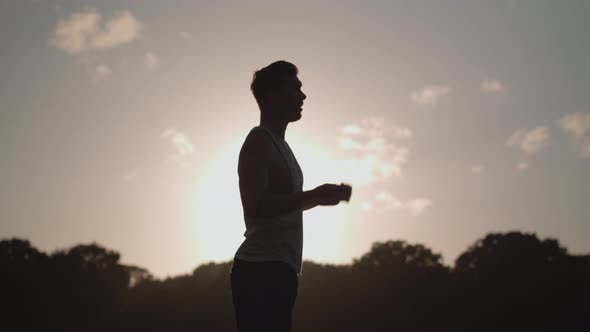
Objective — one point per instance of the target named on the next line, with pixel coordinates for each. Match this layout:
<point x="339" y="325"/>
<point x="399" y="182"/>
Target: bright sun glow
<point x="217" y="214"/>
<point x="218" y="217"/>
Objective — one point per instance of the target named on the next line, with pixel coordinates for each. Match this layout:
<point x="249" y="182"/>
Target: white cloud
<point x="375" y="156"/>
<point x="402" y="132"/>
<point x="100" y="72"/>
<point x="388" y="201"/>
<point x="417" y="205"/>
<point x="373" y="122"/>
<point x="492" y="86"/>
<point x="374" y="126"/>
<point x="366" y="206"/>
<point x="151" y="61"/>
<point x="348" y="143"/>
<point x="82" y="31"/>
<point x="522" y="166"/>
<point x="72" y="34"/>
<point x="184" y="148"/>
<point x="529" y="141"/>
<point x="429" y="95"/>
<point x="576" y="123"/>
<point x="121" y="29"/>
<point x="385" y="201"/>
<point x="353" y="130"/>
<point x="477" y="169"/>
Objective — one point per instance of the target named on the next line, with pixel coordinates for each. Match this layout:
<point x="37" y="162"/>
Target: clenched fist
<point x="332" y="194"/>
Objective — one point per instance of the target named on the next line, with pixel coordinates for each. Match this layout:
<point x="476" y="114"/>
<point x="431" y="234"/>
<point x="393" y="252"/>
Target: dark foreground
<point x="503" y="282"/>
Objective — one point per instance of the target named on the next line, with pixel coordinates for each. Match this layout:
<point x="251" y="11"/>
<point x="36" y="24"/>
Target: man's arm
<point x="253" y="170"/>
<point x="308" y="206"/>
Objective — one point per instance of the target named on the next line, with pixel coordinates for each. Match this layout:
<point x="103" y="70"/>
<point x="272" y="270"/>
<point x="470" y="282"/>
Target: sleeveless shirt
<point x="278" y="238"/>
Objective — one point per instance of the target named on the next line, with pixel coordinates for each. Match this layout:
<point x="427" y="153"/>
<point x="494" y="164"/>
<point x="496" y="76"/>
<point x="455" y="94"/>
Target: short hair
<point x="271" y="77"/>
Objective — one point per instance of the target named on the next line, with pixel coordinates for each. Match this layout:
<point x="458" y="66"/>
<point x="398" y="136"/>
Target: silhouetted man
<point x="266" y="267"/>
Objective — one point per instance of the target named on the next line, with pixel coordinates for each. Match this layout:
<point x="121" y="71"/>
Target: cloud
<point x="402" y="132"/>
<point x="121" y="29"/>
<point x="71" y="35"/>
<point x="492" y="86"/>
<point x="183" y="147"/>
<point x="384" y="201"/>
<point x="353" y="130"/>
<point x="577" y="124"/>
<point x="348" y="143"/>
<point x="375" y="155"/>
<point x="101" y="72"/>
<point x="366" y="206"/>
<point x="151" y="61"/>
<point x="522" y="166"/>
<point x="388" y="201"/>
<point x="374" y="126"/>
<point x="477" y="169"/>
<point x="417" y="205"/>
<point x="529" y="141"/>
<point x="429" y="95"/>
<point x="82" y="31"/>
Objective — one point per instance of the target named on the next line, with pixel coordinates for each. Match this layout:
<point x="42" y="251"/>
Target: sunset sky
<point x="121" y="122"/>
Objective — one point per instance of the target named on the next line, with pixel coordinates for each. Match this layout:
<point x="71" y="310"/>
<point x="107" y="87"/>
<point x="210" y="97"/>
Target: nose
<point x="304" y="96"/>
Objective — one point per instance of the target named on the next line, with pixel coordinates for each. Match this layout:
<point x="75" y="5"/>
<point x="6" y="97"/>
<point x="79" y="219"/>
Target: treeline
<point x="503" y="282"/>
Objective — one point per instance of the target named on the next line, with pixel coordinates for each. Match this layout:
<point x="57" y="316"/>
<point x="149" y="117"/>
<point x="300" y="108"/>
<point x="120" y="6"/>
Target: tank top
<point x="278" y="238"/>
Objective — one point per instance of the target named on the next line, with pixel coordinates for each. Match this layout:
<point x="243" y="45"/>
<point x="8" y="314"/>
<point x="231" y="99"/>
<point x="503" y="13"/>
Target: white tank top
<point x="277" y="238"/>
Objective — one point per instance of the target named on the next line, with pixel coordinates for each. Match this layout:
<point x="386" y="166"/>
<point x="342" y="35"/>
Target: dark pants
<point x="263" y="295"/>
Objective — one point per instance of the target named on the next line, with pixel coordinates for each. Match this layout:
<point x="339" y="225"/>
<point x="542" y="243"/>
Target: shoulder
<point x="258" y="139"/>
<point x="258" y="145"/>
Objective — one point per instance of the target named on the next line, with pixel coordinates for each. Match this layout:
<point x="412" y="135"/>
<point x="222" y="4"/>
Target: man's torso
<point x="279" y="176"/>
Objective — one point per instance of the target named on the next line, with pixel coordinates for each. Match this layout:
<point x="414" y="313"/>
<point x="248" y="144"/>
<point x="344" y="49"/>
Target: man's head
<point x="277" y="90"/>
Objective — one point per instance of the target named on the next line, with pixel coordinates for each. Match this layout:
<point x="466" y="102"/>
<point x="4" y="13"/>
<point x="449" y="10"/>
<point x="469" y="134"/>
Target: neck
<point x="277" y="127"/>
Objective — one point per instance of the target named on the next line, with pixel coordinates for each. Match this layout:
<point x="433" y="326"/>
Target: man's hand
<point x="331" y="194"/>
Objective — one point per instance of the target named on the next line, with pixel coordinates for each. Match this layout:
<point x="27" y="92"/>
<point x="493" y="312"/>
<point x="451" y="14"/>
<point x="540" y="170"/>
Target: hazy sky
<point x="121" y="121"/>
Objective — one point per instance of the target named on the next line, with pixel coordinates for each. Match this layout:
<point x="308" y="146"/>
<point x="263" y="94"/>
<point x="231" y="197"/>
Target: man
<point x="266" y="267"/>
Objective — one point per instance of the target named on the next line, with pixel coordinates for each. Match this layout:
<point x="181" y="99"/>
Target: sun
<point x="218" y="217"/>
<point x="217" y="214"/>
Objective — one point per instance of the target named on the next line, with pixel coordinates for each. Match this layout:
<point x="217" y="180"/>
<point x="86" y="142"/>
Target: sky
<point x="121" y="122"/>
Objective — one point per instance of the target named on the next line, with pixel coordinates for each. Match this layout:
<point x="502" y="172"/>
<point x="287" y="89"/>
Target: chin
<point x="296" y="117"/>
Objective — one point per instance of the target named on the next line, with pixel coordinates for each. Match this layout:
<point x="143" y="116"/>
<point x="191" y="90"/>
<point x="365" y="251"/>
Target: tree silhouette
<point x="516" y="281"/>
<point x="138" y="275"/>
<point x="89" y="285"/>
<point x="23" y="285"/>
<point x="406" y="282"/>
<point x="503" y="282"/>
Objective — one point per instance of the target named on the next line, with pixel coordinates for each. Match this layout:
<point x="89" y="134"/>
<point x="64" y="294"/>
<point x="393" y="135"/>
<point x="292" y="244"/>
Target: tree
<point x="400" y="283"/>
<point x="517" y="281"/>
<point x="23" y="284"/>
<point x="89" y="284"/>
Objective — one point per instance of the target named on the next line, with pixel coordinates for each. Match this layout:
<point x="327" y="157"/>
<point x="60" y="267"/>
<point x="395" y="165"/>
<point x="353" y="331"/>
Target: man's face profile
<point x="289" y="99"/>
